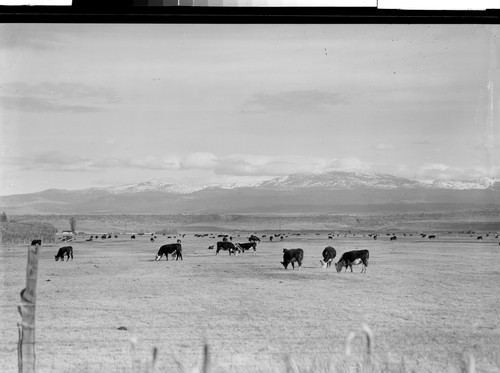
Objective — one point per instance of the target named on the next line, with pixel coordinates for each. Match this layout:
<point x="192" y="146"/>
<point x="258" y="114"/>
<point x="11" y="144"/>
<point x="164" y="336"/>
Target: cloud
<point x="62" y="162"/>
<point x="440" y="171"/>
<point x="35" y="104"/>
<point x="293" y="101"/>
<point x="56" y="97"/>
<point x="150" y="163"/>
<point x="199" y="160"/>
<point x="350" y="164"/>
<point x="252" y="165"/>
<point x="51" y="161"/>
<point x="29" y="37"/>
<point x="384" y="146"/>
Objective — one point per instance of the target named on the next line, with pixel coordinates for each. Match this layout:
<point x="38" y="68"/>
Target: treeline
<point x="24" y="232"/>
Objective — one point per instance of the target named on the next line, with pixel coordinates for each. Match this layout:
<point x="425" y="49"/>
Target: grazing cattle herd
<point x="290" y="256"/>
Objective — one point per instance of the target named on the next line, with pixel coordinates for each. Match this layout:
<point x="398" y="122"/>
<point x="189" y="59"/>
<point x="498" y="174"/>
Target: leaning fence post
<point x="26" y="345"/>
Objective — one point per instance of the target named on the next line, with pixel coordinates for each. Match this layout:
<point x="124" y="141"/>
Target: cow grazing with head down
<point x="290" y="256"/>
<point x="350" y="258"/>
<point x="227" y="246"/>
<point x="172" y="248"/>
<point x="253" y="238"/>
<point x="329" y="254"/>
<point x="64" y="251"/>
<point x="247" y="246"/>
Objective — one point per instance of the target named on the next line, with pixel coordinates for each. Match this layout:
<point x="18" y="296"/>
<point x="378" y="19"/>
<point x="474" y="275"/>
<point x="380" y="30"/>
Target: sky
<point x="94" y="105"/>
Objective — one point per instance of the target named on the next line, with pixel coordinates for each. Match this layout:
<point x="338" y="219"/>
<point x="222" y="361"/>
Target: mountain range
<point x="329" y="192"/>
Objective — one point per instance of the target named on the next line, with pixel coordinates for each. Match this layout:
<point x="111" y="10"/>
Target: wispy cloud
<point x="22" y="36"/>
<point x="251" y="165"/>
<point x="56" y="97"/>
<point x="384" y="146"/>
<point x="293" y="101"/>
<point x="440" y="171"/>
<point x="242" y="165"/>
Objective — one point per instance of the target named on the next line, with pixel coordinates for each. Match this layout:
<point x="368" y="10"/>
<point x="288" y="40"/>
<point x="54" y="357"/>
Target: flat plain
<point x="428" y="303"/>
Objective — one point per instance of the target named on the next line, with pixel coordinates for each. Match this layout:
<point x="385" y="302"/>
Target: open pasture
<point x="427" y="301"/>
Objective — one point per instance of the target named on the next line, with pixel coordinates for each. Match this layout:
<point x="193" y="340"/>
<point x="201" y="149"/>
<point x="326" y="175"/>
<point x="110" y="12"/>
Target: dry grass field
<point x="428" y="303"/>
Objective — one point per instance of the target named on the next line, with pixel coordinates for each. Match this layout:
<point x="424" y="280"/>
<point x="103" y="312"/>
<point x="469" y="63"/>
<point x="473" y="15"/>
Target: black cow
<point x="132" y="237"/>
<point x="350" y="258"/>
<point x="65" y="250"/>
<point x="227" y="246"/>
<point x="292" y="256"/>
<point x="431" y="237"/>
<point x="328" y="254"/>
<point x="247" y="246"/>
<point x="393" y="238"/>
<point x="254" y="238"/>
<point x="172" y="248"/>
<point x="152" y="239"/>
<point x="479" y="238"/>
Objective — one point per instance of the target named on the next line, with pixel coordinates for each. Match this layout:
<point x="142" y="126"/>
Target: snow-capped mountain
<point x="482" y="183"/>
<point x="340" y="180"/>
<point x="154" y="186"/>
<point x="305" y="192"/>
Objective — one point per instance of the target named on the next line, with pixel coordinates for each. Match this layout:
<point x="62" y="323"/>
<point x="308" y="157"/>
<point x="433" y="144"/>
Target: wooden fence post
<point x="26" y="345"/>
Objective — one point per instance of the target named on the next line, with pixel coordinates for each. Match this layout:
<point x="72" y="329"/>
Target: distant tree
<point x="3" y="217"/>
<point x="72" y="224"/>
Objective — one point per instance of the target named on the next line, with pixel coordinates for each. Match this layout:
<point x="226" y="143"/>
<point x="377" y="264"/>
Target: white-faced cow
<point x="247" y="246"/>
<point x="350" y="258"/>
<point x="172" y="248"/>
<point x="227" y="246"/>
<point x="329" y="254"/>
<point x="290" y="256"/>
<point x="64" y="251"/>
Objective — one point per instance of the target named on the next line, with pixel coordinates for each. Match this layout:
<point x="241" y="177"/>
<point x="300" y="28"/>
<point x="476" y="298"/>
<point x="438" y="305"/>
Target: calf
<point x="292" y="256"/>
<point x="328" y="254"/>
<point x="350" y="258"/>
<point x="173" y="248"/>
<point x="66" y="250"/>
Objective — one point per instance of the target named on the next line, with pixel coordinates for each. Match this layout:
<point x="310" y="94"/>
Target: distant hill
<point x="330" y="192"/>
